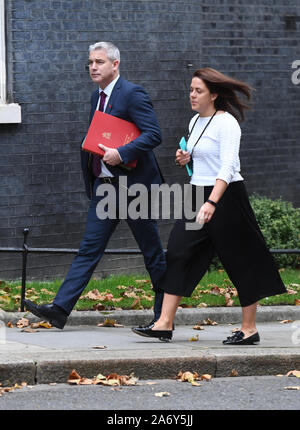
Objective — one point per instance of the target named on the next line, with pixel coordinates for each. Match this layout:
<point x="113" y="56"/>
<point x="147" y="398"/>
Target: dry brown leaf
<point x="297" y="387"/>
<point x="162" y="394"/>
<point x="74" y="375"/>
<point x="206" y="377"/>
<point x="233" y="373"/>
<point x="289" y="291"/>
<point x="202" y="305"/>
<point x="228" y="300"/>
<point x="215" y="290"/>
<point x="109" y="323"/>
<point x="9" y="324"/>
<point x="198" y="327"/>
<point x="297" y="302"/>
<point x="142" y="281"/>
<point x="187" y="376"/>
<point x="208" y="321"/>
<point x="100" y="347"/>
<point x="44" y="324"/>
<point x="23" y="322"/>
<point x="29" y="330"/>
<point x="96" y="295"/>
<point x="285" y="321"/>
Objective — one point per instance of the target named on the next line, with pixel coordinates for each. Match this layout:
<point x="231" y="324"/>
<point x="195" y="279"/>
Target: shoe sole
<point x="162" y="339"/>
<point x="33" y="310"/>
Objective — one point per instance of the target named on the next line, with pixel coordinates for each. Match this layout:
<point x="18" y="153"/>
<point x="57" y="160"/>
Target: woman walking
<point x="230" y="229"/>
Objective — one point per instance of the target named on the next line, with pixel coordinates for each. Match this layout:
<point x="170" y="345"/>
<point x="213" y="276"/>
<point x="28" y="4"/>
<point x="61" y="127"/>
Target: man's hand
<point x="111" y="156"/>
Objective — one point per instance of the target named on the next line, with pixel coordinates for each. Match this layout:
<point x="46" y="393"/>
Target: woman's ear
<point x="214" y="96"/>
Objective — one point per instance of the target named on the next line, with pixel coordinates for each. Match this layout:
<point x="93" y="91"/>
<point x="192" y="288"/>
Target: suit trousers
<point x="97" y="234"/>
<point x="234" y="235"/>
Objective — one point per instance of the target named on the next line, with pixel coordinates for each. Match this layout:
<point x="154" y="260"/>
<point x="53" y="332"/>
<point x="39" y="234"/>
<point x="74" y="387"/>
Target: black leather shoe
<point x="51" y="313"/>
<point x="163" y="335"/>
<point x="238" y="339"/>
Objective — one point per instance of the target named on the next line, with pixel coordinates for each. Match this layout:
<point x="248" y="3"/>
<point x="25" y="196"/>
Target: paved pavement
<point x="49" y="355"/>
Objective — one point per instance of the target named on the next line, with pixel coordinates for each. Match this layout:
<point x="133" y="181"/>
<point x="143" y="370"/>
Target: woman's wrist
<point x="211" y="202"/>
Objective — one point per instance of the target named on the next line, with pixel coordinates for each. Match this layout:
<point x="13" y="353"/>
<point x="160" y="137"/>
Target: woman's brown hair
<point x="226" y="88"/>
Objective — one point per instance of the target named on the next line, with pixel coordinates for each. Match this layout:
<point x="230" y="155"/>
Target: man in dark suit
<point x="118" y="97"/>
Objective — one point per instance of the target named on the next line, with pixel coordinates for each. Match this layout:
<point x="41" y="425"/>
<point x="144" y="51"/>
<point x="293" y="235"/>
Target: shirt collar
<point x="108" y="90"/>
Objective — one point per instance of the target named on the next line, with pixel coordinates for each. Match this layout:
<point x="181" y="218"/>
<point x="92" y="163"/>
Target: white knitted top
<point x="216" y="155"/>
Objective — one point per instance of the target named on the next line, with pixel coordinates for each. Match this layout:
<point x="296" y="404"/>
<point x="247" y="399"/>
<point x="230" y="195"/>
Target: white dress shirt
<point x="107" y="90"/>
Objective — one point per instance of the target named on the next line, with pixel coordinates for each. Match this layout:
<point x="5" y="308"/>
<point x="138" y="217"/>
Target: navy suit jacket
<point x="130" y="102"/>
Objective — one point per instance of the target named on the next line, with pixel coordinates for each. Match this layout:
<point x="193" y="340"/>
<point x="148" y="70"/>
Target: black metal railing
<point x="25" y="250"/>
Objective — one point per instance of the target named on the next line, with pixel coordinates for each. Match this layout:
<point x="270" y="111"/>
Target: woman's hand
<point x="205" y="214"/>
<point x="182" y="157"/>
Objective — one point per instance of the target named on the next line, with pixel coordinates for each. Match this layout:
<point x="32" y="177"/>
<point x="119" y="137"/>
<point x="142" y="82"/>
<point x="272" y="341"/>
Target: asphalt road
<point x="234" y="393"/>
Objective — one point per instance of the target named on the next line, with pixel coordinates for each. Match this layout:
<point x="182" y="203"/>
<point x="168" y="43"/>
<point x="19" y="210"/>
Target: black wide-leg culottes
<point x="234" y="235"/>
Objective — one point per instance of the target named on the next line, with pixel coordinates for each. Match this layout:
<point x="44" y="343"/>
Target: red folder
<point x="109" y="131"/>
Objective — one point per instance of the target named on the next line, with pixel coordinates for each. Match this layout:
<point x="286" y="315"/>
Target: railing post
<point x="24" y="267"/>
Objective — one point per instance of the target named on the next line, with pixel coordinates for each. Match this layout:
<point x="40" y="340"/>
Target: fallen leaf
<point x="74" y="375"/>
<point x="297" y="302"/>
<point x="29" y="330"/>
<point x="297" y="387"/>
<point x="100" y="347"/>
<point x="109" y="323"/>
<point x="5" y="299"/>
<point x="99" y="307"/>
<point x="215" y="290"/>
<point x="9" y="324"/>
<point x="194" y="338"/>
<point x="285" y="321"/>
<point x="233" y="373"/>
<point x="198" y="327"/>
<point x="162" y="394"/>
<point x="44" y="324"/>
<point x="202" y="305"/>
<point x="93" y="295"/>
<point x="208" y="321"/>
<point x="289" y="291"/>
<point x="228" y="300"/>
<point x="23" y="322"/>
<point x="187" y="376"/>
<point x="206" y="377"/>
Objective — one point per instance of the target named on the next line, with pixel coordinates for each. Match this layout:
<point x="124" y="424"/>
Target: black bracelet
<point x="212" y="203"/>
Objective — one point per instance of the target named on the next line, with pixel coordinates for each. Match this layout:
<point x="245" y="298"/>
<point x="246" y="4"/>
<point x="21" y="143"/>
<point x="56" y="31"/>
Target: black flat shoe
<point x="163" y="335"/>
<point x="51" y="313"/>
<point x="238" y="339"/>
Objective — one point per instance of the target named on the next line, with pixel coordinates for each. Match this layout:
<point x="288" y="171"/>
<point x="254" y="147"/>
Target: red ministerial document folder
<point x="110" y="131"/>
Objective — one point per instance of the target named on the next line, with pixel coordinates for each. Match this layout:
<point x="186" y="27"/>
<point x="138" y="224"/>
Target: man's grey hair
<point x="111" y="50"/>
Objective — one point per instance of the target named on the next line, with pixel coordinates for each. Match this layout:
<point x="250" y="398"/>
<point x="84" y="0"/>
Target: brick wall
<point x="47" y="41"/>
